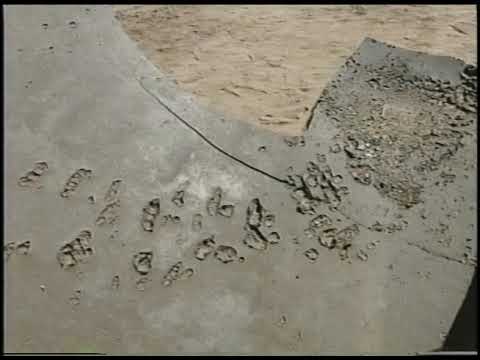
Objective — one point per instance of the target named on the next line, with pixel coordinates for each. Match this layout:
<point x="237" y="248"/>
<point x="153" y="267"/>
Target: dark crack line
<point x="312" y="113"/>
<point x="209" y="142"/>
<point x="436" y="254"/>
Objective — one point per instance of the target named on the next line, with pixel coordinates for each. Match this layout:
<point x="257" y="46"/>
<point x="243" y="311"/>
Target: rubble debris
<point x="142" y="261"/>
<point x="396" y="144"/>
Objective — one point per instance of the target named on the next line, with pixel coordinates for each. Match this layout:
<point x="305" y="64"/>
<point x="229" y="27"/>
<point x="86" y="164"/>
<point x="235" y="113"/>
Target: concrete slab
<point x="82" y="99"/>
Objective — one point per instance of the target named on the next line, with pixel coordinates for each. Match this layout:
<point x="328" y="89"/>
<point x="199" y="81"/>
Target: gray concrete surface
<point x="79" y="95"/>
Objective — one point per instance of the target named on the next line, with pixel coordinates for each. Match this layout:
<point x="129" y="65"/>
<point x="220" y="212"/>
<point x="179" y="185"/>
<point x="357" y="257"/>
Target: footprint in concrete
<point x="214" y="202"/>
<point x="215" y="206"/>
<point x="172" y="274"/>
<point x="226" y="210"/>
<point x="205" y="248"/>
<point x="142" y="261"/>
<point x="174" y="219"/>
<point x="186" y="274"/>
<point x="273" y="238"/>
<point x="311" y="254"/>
<point x="116" y="282"/>
<point x="9" y="250"/>
<point x="177" y="272"/>
<point x="24" y="247"/>
<point x="321" y="222"/>
<point x="269" y="220"/>
<point x="327" y="238"/>
<point x="149" y="213"/>
<point x="109" y="214"/>
<point x="254" y="213"/>
<point x="226" y="254"/>
<point x="76" y="297"/>
<point x="76" y="251"/>
<point x="253" y="240"/>
<point x="74" y="181"/>
<point x="33" y="176"/>
<point x="113" y="191"/>
<point x="197" y="222"/>
<point x="141" y="283"/>
<point x="293" y="141"/>
<point x="179" y="198"/>
<point x="345" y="236"/>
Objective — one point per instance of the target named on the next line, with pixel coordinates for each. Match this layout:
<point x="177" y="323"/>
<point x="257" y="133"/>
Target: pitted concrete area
<point x="139" y="222"/>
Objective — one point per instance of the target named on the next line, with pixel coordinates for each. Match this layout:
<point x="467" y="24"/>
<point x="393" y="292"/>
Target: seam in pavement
<point x="208" y="141"/>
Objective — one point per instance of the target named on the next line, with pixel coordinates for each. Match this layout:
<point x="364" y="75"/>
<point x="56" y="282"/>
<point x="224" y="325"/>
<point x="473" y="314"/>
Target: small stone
<point x="43" y="288"/>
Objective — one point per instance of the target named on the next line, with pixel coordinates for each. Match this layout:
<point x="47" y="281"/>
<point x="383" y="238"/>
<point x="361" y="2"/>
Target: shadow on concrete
<point x="464" y="331"/>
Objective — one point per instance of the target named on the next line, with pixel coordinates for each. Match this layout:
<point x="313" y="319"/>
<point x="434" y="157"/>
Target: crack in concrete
<point x="208" y="141"/>
<point x="437" y="254"/>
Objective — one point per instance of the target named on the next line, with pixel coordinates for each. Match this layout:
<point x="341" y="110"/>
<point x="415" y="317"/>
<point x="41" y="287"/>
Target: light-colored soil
<point x="268" y="64"/>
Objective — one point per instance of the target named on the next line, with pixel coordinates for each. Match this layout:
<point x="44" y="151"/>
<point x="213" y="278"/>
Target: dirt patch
<point x="269" y="64"/>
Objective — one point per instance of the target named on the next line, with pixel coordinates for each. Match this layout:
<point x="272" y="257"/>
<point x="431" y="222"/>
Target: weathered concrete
<point x="87" y="103"/>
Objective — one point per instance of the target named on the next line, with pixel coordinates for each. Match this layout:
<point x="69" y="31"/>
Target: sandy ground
<point x="268" y="64"/>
